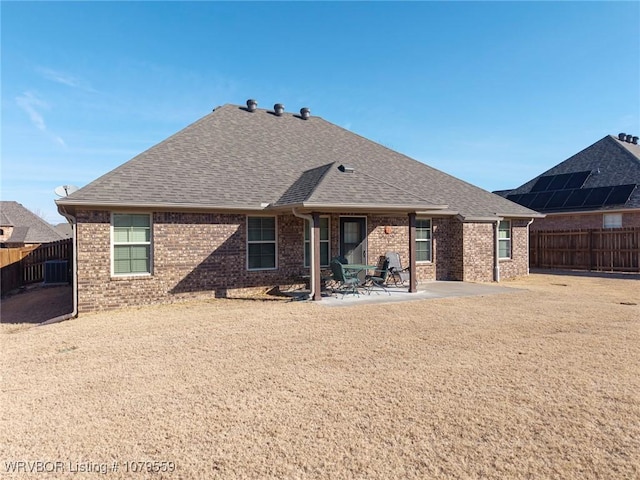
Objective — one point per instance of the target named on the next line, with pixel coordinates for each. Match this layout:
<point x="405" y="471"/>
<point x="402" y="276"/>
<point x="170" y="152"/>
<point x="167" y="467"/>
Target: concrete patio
<point x="426" y="291"/>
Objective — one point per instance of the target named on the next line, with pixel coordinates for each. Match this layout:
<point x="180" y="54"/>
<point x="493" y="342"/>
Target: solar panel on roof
<point x="540" y="200"/>
<point x="577" y="198"/>
<point x="559" y="181"/>
<point x="558" y="199"/>
<point x="577" y="179"/>
<point x="620" y="195"/>
<point x="597" y="197"/>
<point x="514" y="197"/>
<point x="542" y="184"/>
<point x="526" y="199"/>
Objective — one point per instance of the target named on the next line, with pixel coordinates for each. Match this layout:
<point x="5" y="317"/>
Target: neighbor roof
<point x="27" y="226"/>
<point x="241" y="160"/>
<point x="605" y="176"/>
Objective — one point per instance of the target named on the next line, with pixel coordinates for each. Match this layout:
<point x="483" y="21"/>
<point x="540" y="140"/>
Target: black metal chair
<point x="347" y="281"/>
<point x="379" y="277"/>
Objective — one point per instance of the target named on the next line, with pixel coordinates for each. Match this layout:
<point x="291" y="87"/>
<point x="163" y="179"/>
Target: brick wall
<point x="203" y="255"/>
<point x="518" y="264"/>
<point x="478" y="252"/>
<point x="194" y="256"/>
<point x="583" y="221"/>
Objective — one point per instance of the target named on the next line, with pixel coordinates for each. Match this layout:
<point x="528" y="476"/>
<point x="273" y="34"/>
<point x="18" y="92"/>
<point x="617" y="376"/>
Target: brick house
<point x="596" y="188"/>
<point x="19" y="227"/>
<point x="248" y="198"/>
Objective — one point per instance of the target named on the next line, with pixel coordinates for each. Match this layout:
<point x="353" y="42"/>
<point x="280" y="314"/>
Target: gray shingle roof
<point x="237" y="159"/>
<point x="612" y="162"/>
<point x="27" y="226"/>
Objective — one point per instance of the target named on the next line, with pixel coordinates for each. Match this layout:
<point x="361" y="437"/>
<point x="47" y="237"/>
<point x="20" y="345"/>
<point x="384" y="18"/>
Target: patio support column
<point x="412" y="253"/>
<point x="315" y="268"/>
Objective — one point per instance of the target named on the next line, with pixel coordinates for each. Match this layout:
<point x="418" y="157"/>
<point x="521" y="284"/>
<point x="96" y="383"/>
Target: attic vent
<point x="625" y="137"/>
<point x="252" y="105"/>
<point x="278" y="109"/>
<point x="305" y="113"/>
<point x="346" y="169"/>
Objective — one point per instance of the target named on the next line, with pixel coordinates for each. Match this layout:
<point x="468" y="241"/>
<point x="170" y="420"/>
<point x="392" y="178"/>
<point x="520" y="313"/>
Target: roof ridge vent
<point x="621" y="136"/>
<point x="634" y="139"/>
<point x="305" y="113"/>
<point x="252" y="105"/>
<point x="628" y="139"/>
<point x="278" y="109"/>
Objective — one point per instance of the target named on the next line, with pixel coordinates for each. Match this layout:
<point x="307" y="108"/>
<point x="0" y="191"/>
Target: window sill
<point x="140" y="276"/>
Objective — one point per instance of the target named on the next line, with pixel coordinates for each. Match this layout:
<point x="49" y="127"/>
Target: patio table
<point x="357" y="268"/>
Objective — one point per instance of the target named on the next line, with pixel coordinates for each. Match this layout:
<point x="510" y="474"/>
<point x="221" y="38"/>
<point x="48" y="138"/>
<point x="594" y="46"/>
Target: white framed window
<point x="423" y="239"/>
<point x="261" y="243"/>
<point x="612" y="220"/>
<point x="324" y="242"/>
<point x="504" y="239"/>
<point x="130" y="244"/>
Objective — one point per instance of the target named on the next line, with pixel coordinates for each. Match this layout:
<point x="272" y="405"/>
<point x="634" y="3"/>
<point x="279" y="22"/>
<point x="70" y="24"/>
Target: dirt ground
<point x="37" y="304"/>
<point x="539" y="383"/>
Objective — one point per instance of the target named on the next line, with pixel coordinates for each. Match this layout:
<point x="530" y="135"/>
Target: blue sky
<point x="491" y="92"/>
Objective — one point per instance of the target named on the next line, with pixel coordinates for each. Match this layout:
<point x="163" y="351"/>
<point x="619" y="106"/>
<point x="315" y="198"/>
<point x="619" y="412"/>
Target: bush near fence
<point x="26" y="265"/>
<point x="610" y="250"/>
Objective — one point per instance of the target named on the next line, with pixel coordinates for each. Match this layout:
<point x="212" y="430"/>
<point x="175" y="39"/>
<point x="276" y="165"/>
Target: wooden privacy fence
<point x="24" y="266"/>
<point x="611" y="249"/>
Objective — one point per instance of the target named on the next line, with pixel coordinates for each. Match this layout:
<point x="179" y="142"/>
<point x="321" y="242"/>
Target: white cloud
<point x="32" y="105"/>
<point x="64" y="79"/>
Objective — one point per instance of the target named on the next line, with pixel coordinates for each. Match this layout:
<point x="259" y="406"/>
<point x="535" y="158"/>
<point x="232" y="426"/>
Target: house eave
<point x="497" y="216"/>
<point x="160" y="206"/>
<point x="306" y="207"/>
<point x="594" y="212"/>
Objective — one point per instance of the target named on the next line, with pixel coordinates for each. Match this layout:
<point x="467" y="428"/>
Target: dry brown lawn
<point x="540" y="383"/>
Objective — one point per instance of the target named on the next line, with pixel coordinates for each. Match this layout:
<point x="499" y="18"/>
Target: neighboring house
<point x="20" y="227"/>
<point x="245" y="198"/>
<point x="65" y="229"/>
<point x="594" y="189"/>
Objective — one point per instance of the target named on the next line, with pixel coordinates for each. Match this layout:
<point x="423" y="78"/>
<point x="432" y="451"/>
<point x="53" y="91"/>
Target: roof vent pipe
<point x="278" y="108"/>
<point x="621" y="136"/>
<point x="305" y="113"/>
<point x="634" y="140"/>
<point x="629" y="138"/>
<point x="346" y="169"/>
<point x="252" y="105"/>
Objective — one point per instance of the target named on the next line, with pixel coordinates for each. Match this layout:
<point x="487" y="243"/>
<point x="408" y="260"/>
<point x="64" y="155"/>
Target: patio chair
<point x="399" y="275"/>
<point x="379" y="277"/>
<point x="347" y="282"/>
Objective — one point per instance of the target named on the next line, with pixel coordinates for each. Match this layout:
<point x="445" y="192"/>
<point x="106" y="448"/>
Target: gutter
<point x="158" y="206"/>
<point x="528" y="260"/>
<point x="309" y="218"/>
<point x="72" y="220"/>
<point x="496" y="262"/>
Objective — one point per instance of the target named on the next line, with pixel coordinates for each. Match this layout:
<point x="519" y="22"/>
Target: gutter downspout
<point x="72" y="220"/>
<point x="496" y="263"/>
<point x="528" y="254"/>
<point x="309" y="218"/>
